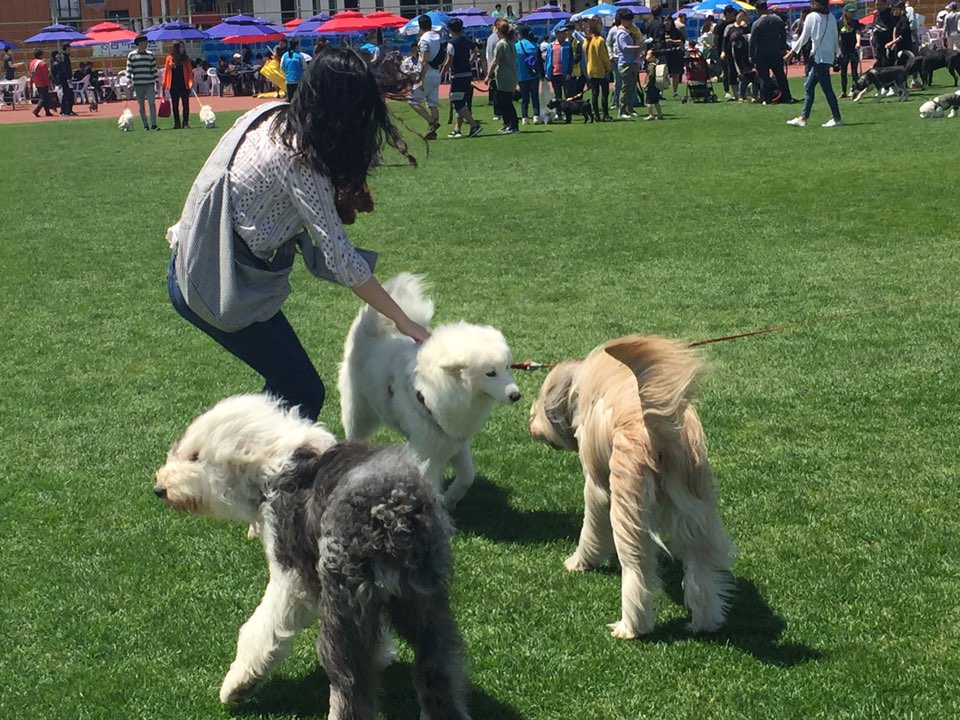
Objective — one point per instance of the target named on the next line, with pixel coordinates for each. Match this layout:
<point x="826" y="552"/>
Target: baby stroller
<point x="699" y="88"/>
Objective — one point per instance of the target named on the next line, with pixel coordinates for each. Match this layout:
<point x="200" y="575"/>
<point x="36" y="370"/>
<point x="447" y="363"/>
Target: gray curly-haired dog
<point x="352" y="534"/>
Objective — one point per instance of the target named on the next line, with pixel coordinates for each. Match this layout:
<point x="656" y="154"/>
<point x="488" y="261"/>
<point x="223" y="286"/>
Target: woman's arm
<point x="373" y="294"/>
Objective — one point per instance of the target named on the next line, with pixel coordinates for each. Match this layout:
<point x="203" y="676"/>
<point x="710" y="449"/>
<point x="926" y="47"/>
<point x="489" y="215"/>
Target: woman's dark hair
<point x="293" y="46"/>
<point x="177" y="54"/>
<point x="525" y="32"/>
<point x="506" y="31"/>
<point x="338" y="121"/>
<point x="820" y="6"/>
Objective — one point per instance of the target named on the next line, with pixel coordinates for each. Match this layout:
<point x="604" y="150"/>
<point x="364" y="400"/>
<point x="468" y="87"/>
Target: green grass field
<point x="834" y="440"/>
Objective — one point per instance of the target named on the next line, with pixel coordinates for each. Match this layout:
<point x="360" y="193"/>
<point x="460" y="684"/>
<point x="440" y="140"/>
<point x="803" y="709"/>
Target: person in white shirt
<point x="298" y="167"/>
<point x="821" y="30"/>
<point x="425" y="98"/>
<point x="951" y="27"/>
<point x="491" y="48"/>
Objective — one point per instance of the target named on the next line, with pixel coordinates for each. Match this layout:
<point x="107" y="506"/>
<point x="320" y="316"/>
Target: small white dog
<point x="125" y="121"/>
<point x="208" y="118"/>
<point x="438" y="395"/>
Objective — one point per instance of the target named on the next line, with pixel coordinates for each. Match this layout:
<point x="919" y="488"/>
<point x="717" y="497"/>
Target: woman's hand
<point x="412" y="330"/>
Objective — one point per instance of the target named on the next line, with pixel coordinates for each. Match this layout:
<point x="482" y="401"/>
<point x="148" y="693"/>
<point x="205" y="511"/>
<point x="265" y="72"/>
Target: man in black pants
<point x="65" y="82"/>
<point x="727" y="66"/>
<point x="459" y="63"/>
<point x="768" y="41"/>
<point x="883" y="23"/>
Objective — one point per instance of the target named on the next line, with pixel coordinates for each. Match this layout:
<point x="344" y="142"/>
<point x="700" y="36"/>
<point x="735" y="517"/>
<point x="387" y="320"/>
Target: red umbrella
<point x="291" y="24"/>
<point x="346" y="21"/>
<point x="384" y="19"/>
<point x="867" y="20"/>
<point x="107" y="32"/>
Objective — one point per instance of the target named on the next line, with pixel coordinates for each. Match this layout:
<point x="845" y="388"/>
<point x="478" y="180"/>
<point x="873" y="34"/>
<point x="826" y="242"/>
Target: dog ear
<point x="453" y="367"/>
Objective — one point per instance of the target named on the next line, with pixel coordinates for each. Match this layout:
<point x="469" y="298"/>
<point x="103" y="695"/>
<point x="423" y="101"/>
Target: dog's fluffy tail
<point x="667" y="372"/>
<point x="409" y="292"/>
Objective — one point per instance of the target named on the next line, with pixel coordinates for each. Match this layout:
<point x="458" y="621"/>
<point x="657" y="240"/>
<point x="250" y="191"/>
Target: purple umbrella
<point x="244" y="26"/>
<point x="787" y="4"/>
<point x="4" y="43"/>
<point x="174" y="31"/>
<point x="633" y="5"/>
<point x="57" y="34"/>
<point x="473" y="17"/>
<point x="310" y="25"/>
<point x="547" y="13"/>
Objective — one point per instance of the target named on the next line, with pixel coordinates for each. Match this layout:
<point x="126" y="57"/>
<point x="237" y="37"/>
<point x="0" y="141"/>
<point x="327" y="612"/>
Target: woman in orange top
<point x="178" y="81"/>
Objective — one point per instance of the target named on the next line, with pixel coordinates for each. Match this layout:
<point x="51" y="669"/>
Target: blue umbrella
<point x="57" y="34"/>
<point x="439" y="19"/>
<point x="716" y="6"/>
<point x="310" y="25"/>
<point x="174" y="31"/>
<point x="4" y="43"/>
<point x="546" y="13"/>
<point x="603" y="10"/>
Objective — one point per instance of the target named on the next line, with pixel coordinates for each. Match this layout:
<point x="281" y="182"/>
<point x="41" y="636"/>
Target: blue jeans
<point x="819" y="75"/>
<point x="529" y="90"/>
<point x="271" y="347"/>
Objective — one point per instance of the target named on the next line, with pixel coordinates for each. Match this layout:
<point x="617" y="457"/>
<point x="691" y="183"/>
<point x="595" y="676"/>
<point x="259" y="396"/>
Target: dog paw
<point x="575" y="563"/>
<point x="236" y="686"/>
<point x="253" y="532"/>
<point x="620" y="631"/>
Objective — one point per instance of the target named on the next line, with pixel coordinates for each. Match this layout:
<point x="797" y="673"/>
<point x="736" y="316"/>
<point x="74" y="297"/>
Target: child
<point x="652" y="91"/>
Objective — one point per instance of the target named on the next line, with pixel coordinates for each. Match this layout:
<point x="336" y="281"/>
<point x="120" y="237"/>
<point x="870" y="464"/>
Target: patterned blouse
<point x="274" y="196"/>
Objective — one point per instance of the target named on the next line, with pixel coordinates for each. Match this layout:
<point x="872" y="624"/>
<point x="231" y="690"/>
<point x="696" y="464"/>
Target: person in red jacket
<point x="40" y="77"/>
<point x="178" y="81"/>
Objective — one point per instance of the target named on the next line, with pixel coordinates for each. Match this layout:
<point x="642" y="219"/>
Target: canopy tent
<point x="438" y="18"/>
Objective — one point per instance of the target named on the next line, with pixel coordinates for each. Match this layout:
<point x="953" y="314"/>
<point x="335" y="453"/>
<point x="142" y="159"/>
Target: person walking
<point x="142" y="75"/>
<point x="40" y="77"/>
<point x="821" y="30"/>
<point x="283" y="181"/>
<point x="459" y="64"/>
<point x="768" y="40"/>
<point x="425" y="96"/>
<point x="292" y="63"/>
<point x="178" y="81"/>
<point x="503" y="71"/>
<point x="848" y="29"/>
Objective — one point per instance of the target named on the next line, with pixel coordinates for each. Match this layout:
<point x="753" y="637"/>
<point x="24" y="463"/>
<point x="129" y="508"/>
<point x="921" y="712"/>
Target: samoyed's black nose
<point x="514" y="396"/>
<point x="160" y="492"/>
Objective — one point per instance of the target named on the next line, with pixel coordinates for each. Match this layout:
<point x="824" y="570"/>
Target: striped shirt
<point x="141" y="68"/>
<point x="274" y="196"/>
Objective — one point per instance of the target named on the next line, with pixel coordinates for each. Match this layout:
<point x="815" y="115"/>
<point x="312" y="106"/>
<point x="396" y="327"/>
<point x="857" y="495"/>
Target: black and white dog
<point x="569" y="108"/>
<point x="892" y="76"/>
<point x="352" y="535"/>
<point x="936" y="107"/>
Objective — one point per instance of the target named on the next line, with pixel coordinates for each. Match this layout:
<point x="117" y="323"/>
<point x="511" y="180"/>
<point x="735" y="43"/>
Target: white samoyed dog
<point x="125" y="121"/>
<point x="208" y="118"/>
<point x="438" y="395"/>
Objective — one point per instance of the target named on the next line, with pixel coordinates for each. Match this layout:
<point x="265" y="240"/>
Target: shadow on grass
<point x="752" y="626"/>
<point x="486" y="511"/>
<point x="309" y="697"/>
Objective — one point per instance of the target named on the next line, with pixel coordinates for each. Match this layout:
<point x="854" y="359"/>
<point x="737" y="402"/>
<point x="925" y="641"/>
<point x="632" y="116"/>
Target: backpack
<point x="441" y="55"/>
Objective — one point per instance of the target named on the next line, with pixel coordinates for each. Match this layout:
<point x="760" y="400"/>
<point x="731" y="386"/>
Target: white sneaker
<point x="536" y="119"/>
<point x="727" y="96"/>
<point x="832" y="123"/>
<point x="523" y="121"/>
<point x="797" y="122"/>
<point x="624" y="116"/>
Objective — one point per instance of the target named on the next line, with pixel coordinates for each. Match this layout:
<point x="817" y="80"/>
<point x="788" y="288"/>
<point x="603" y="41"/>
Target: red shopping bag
<point x="164" y="108"/>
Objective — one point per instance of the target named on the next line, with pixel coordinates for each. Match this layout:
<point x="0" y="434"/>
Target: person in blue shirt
<point x="292" y="64"/>
<point x="529" y="72"/>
